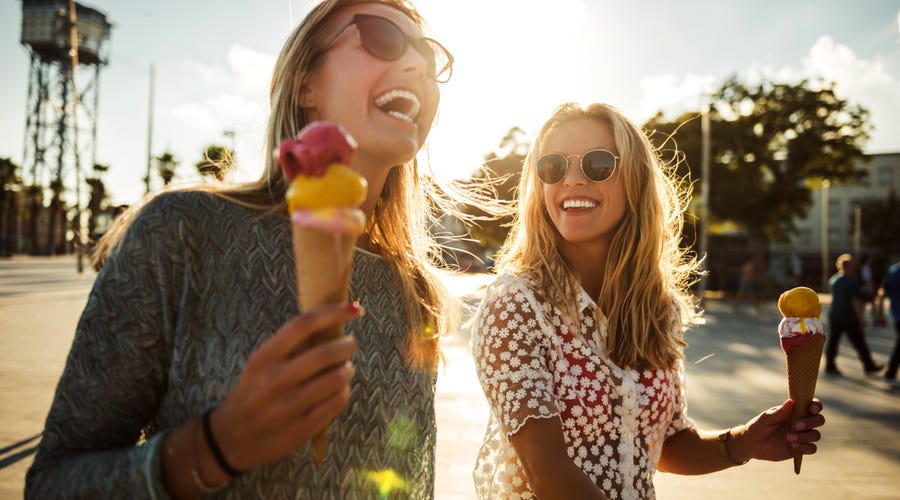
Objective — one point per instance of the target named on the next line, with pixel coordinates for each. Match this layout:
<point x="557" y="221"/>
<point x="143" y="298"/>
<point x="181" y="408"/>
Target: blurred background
<point x="783" y="116"/>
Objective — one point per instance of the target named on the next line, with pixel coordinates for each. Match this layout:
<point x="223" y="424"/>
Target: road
<point x="735" y="369"/>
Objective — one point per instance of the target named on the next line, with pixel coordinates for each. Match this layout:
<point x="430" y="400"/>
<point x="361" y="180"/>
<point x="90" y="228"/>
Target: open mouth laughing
<point x="399" y="103"/>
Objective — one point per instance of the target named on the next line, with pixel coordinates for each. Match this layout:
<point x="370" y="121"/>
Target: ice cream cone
<point x="323" y="261"/>
<point x="803" y="371"/>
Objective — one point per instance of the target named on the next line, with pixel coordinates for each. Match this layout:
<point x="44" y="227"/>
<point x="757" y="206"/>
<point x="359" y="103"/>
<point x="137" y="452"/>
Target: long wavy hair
<point x="645" y="293"/>
<point x="410" y="200"/>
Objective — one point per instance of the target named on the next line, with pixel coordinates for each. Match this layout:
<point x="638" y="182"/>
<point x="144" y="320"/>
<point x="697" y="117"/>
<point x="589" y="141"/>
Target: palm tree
<point x="9" y="205"/>
<point x="98" y="194"/>
<point x="35" y="207"/>
<point x="57" y="216"/>
<point x="166" y="164"/>
<point x="217" y="161"/>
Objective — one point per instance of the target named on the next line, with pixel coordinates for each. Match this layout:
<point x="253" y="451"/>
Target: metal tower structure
<point x="61" y="117"/>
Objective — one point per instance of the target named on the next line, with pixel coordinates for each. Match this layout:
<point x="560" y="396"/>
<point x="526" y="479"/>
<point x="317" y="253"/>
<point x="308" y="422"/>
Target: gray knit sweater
<point x="196" y="285"/>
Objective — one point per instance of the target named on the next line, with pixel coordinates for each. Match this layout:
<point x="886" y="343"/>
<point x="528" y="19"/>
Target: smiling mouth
<point x="401" y="104"/>
<point x="579" y="204"/>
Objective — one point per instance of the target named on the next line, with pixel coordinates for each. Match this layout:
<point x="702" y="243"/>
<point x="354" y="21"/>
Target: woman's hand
<point x="289" y="391"/>
<point x="770" y="435"/>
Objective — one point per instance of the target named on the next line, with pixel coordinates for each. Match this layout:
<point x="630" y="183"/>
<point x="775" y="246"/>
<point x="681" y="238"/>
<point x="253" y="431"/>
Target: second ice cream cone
<point x="803" y="372"/>
<point x="323" y="261"/>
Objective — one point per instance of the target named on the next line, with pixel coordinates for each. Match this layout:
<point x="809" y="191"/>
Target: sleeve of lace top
<point x="680" y="419"/>
<point x="511" y="355"/>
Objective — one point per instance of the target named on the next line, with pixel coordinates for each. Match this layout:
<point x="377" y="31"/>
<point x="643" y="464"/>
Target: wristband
<point x="195" y="472"/>
<point x="722" y="445"/>
<point x="214" y="447"/>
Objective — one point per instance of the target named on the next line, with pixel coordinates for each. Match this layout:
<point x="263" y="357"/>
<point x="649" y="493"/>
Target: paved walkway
<point x="735" y="369"/>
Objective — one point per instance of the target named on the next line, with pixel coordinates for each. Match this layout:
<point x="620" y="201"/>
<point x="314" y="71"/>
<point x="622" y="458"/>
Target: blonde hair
<point x="398" y="226"/>
<point x="647" y="275"/>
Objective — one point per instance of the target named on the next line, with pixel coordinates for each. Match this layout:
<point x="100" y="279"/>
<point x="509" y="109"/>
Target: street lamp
<point x="704" y="193"/>
<point x="825" y="264"/>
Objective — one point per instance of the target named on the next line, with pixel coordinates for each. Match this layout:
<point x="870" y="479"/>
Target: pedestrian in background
<point x="890" y="288"/>
<point x="845" y="315"/>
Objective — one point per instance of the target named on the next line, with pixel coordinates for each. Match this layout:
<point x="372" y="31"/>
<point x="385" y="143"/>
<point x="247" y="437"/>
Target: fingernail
<point x="800" y="426"/>
<point x="792" y="437"/>
<point x="356" y="309"/>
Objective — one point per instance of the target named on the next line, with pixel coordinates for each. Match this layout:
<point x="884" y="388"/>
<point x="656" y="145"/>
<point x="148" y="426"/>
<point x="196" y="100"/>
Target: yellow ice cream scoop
<point x="340" y="186"/>
<point x="800" y="302"/>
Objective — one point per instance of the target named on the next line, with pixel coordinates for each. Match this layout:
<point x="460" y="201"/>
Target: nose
<point x="574" y="176"/>
<point x="414" y="61"/>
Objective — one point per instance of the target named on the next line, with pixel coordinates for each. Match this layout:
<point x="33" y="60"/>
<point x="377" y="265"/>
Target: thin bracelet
<point x="722" y="444"/>
<point x="214" y="447"/>
<point x="195" y="472"/>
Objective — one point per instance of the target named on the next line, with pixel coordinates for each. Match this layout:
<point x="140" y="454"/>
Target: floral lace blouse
<point x="532" y="364"/>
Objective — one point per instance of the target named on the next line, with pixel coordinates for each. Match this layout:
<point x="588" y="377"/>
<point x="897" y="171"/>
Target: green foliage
<point x="766" y="140"/>
<point x="503" y="171"/>
<point x="216" y="162"/>
<point x="166" y="164"/>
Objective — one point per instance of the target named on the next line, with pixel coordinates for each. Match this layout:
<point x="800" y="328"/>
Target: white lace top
<point x="532" y="364"/>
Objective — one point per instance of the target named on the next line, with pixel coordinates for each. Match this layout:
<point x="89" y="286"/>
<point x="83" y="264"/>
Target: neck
<point x="375" y="173"/>
<point x="589" y="262"/>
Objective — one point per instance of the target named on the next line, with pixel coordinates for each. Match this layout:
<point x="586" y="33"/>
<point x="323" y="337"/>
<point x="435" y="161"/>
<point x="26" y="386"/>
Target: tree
<point x="97" y="196"/>
<point x="767" y="141"/>
<point x="503" y="169"/>
<point x="217" y="161"/>
<point x="166" y="164"/>
<point x="11" y="184"/>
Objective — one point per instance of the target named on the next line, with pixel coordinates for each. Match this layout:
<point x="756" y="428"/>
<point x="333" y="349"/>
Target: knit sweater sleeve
<point x="94" y="443"/>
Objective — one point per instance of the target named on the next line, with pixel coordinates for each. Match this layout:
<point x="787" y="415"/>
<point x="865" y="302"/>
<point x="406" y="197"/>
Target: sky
<point x="516" y="61"/>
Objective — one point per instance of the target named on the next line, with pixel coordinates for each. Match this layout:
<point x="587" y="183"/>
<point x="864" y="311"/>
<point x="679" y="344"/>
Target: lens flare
<point x="401" y="432"/>
<point x="387" y="481"/>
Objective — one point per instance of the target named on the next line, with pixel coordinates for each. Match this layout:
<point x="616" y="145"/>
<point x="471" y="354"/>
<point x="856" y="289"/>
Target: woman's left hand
<point x="771" y="436"/>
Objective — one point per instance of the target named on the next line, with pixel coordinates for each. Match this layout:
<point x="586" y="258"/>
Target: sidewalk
<point x="735" y="369"/>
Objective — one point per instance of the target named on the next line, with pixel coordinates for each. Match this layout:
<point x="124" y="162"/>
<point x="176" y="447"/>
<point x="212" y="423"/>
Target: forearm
<point x="558" y="477"/>
<point x="694" y="451"/>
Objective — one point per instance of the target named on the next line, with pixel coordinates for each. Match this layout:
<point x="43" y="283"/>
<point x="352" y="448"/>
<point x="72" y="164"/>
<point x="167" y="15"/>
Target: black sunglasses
<point x="596" y="164"/>
<point x="386" y="41"/>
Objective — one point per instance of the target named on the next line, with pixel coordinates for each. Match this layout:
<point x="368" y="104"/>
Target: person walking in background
<point x="191" y="370"/>
<point x="845" y="315"/>
<point x="890" y="288"/>
<point x="747" y="286"/>
<point x="578" y="344"/>
<point x="867" y="286"/>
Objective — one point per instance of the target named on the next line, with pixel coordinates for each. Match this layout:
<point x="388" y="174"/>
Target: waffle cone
<point x="324" y="261"/>
<point x="802" y="372"/>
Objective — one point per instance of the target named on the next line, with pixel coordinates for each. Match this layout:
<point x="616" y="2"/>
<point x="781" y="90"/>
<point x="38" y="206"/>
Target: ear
<point x="307" y="94"/>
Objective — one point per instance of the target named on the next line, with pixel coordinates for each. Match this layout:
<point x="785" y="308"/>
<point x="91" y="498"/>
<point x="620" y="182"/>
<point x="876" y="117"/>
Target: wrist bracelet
<point x="195" y="472"/>
<point x="205" y="488"/>
<point x="722" y="445"/>
<point x="214" y="447"/>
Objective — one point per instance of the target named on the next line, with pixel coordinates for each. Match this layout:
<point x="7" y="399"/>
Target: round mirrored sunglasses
<point x="597" y="165"/>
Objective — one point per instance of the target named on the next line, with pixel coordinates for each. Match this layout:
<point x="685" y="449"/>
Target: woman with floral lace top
<point x="578" y="343"/>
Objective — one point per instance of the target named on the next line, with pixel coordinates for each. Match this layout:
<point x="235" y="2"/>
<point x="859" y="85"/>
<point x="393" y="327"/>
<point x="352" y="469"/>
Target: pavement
<point x="735" y="369"/>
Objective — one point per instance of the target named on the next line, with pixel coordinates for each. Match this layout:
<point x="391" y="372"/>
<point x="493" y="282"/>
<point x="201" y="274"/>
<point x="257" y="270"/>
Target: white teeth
<point x="397" y="114"/>
<point x="578" y="204"/>
<point x="411" y="102"/>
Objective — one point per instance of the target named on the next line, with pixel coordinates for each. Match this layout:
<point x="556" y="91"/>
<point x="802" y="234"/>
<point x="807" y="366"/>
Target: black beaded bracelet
<point x="214" y="447"/>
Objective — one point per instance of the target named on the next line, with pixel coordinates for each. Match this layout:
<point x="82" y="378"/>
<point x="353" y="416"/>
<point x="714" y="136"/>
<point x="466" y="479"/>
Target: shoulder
<point x="511" y="284"/>
<point x="192" y="214"/>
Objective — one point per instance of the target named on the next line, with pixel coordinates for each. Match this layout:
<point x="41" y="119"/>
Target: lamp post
<point x="825" y="264"/>
<point x="704" y="193"/>
<point x="150" y="126"/>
